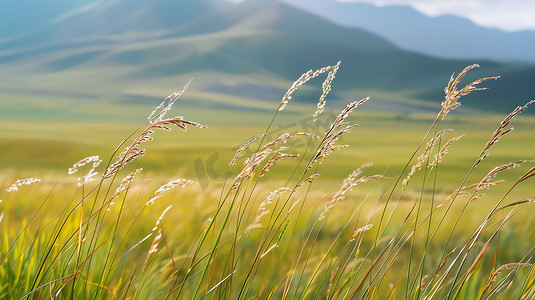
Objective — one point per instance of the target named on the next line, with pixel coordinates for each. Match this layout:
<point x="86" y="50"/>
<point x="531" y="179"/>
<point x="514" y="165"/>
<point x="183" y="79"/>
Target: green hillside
<point x="240" y="54"/>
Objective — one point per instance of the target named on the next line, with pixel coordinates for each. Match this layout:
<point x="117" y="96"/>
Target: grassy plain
<point x="207" y="248"/>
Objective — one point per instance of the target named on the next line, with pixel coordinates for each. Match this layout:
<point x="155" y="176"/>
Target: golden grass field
<point x="368" y="237"/>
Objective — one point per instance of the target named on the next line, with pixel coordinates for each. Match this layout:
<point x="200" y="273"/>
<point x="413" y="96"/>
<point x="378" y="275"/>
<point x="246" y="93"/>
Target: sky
<point x="509" y="15"/>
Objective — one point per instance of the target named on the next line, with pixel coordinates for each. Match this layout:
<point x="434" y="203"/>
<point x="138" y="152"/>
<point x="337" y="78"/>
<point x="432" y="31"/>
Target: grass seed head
<point x="15" y="186"/>
<point x="299" y="82"/>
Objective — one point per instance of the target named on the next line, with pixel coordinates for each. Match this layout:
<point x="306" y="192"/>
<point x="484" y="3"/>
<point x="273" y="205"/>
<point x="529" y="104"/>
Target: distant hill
<point x="19" y="17"/>
<point x="445" y="36"/>
<point x="135" y="49"/>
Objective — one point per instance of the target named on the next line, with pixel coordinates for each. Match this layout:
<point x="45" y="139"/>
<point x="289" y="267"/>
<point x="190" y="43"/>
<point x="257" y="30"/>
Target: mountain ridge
<point x="234" y="45"/>
<point x="445" y="36"/>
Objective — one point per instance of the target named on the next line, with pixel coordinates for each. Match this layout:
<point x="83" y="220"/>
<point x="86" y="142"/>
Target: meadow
<point x="422" y="213"/>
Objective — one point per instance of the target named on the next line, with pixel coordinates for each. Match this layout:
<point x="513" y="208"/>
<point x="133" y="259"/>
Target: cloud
<point x="508" y="15"/>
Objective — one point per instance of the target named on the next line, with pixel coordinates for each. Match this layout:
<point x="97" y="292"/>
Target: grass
<point x="237" y="235"/>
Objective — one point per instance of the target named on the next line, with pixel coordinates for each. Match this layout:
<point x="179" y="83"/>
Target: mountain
<point x="18" y="17"/>
<point x="444" y="36"/>
<point x="109" y="20"/>
<point x="241" y="54"/>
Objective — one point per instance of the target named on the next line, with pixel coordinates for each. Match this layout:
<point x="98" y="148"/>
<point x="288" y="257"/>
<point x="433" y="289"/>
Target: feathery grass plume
<point x="90" y="176"/>
<point x="339" y="121"/>
<point x="277" y="155"/>
<point x="157" y="238"/>
<point x="133" y="151"/>
<point x="84" y="161"/>
<point x="257" y="223"/>
<point x="326" y="88"/>
<point x="156" y="116"/>
<point x="275" y="194"/>
<point x="494" y="172"/>
<point x="15" y="186"/>
<point x="243" y="147"/>
<point x="494" y="274"/>
<point x="168" y="186"/>
<point x="257" y="158"/>
<point x="161" y="217"/>
<point x="125" y="183"/>
<point x="453" y="195"/>
<point x="299" y="82"/>
<point x="251" y="164"/>
<point x="502" y="130"/>
<point x="424" y="156"/>
<point x="485" y="183"/>
<point x="359" y="231"/>
<point x="452" y="94"/>
<point x="329" y="146"/>
<point x="328" y="143"/>
<point x="340" y="195"/>
<point x="443" y="151"/>
<point x="350" y="182"/>
<point x="309" y="179"/>
<point x="154" y="246"/>
<point x="283" y="138"/>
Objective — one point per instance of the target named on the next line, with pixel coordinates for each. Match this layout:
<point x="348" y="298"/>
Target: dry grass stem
<point x="309" y="179"/>
<point x="443" y="151"/>
<point x="360" y="230"/>
<point x="523" y="201"/>
<point x="161" y="217"/>
<point x="173" y="184"/>
<point x="527" y="175"/>
<point x="283" y="138"/>
<point x="502" y="129"/>
<point x="262" y="211"/>
<point x="90" y="176"/>
<point x="250" y="165"/>
<point x="15" y="186"/>
<point x="257" y="223"/>
<point x="329" y="146"/>
<point x="331" y="136"/>
<point x="503" y="268"/>
<point x="243" y="147"/>
<point x="299" y="82"/>
<point x="91" y="159"/>
<point x="275" y="194"/>
<point x="168" y="186"/>
<point x="339" y="121"/>
<point x="333" y="276"/>
<point x="277" y="155"/>
<point x="424" y="156"/>
<point x="133" y="151"/>
<point x="163" y="107"/>
<point x="453" y="196"/>
<point x="485" y="183"/>
<point x="326" y="88"/>
<point x="154" y="246"/>
<point x="125" y="183"/>
<point x="348" y="184"/>
<point x="452" y="94"/>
